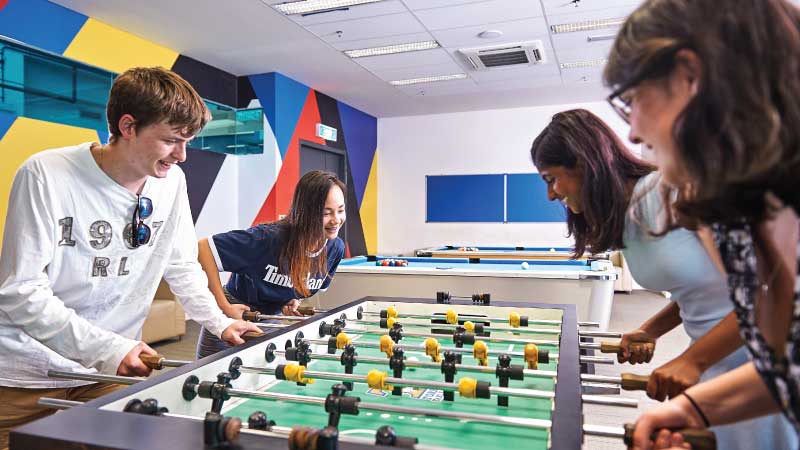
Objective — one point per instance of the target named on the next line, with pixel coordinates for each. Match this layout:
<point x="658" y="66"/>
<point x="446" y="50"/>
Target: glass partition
<point x="45" y="86"/>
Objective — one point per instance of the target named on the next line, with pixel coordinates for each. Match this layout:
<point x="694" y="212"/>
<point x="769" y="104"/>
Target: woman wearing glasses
<point x="274" y="265"/>
<point x="614" y="201"/>
<point x="728" y="137"/>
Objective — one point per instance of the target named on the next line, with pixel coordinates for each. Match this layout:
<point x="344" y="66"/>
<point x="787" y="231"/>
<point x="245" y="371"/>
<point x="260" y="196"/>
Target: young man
<point x="90" y="231"/>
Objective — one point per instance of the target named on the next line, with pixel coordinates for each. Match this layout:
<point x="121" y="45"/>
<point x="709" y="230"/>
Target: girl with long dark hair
<point x="274" y="265"/>
<point x="616" y="202"/>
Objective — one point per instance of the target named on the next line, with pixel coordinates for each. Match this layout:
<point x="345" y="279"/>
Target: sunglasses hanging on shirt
<point x="140" y="232"/>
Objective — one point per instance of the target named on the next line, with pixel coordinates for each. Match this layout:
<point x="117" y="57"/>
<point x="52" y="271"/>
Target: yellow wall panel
<point x="26" y="137"/>
<point x="104" y="46"/>
<point x="369" y="208"/>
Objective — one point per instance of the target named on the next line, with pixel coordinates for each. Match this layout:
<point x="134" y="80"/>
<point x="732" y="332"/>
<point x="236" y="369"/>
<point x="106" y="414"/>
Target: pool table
<point x="498" y="252"/>
<point x="588" y="284"/>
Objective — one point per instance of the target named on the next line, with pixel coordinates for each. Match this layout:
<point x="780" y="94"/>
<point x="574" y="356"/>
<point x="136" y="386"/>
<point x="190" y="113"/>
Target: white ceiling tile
<point x="578" y="40"/>
<point x="367" y="28"/>
<point x="493" y="11"/>
<point x="584" y="54"/>
<point x="353" y="12"/>
<point x="440" y="88"/>
<point x="582" y="75"/>
<point x="383" y="41"/>
<point x="419" y="72"/>
<point x="427" y="4"/>
<point x="533" y="83"/>
<point x="401" y="60"/>
<point x="516" y="31"/>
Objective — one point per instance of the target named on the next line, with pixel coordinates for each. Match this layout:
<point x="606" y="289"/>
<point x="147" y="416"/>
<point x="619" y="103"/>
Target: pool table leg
<point x="600" y="302"/>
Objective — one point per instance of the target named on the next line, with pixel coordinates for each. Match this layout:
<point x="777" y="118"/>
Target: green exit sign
<point x="326" y="132"/>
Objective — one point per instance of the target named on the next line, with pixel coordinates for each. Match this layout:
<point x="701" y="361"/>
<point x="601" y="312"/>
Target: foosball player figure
<point x="349" y="360"/>
<point x="397" y="362"/>
<point x="505" y="371"/>
<point x="449" y="370"/>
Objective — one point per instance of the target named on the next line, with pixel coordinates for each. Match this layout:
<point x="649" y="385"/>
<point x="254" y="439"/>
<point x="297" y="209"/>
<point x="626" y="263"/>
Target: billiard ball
<point x="524" y="265"/>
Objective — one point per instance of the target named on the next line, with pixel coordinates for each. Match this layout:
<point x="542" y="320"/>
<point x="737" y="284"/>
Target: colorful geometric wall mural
<point x="261" y="185"/>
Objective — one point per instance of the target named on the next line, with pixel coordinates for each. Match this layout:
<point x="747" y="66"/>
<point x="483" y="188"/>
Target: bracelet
<point x="697" y="408"/>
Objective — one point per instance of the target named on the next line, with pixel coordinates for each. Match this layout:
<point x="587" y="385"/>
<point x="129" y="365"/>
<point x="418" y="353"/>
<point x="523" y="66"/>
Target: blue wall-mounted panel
<point x="465" y="198"/>
<point x="527" y="200"/>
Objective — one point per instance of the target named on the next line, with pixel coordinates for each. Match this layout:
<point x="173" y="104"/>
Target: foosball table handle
<point x="306" y="310"/>
<point x="614" y="347"/>
<point x="155" y="362"/>
<point x="634" y="382"/>
<point x="698" y="439"/>
<point x="250" y="316"/>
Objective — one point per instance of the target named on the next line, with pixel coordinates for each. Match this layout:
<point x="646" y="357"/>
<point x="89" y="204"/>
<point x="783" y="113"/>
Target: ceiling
<point x="249" y="36"/>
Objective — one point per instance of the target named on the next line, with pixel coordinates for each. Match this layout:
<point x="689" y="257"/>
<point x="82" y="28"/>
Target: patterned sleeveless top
<point x="781" y="373"/>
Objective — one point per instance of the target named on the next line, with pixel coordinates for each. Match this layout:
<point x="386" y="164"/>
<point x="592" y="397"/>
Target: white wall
<point x="478" y="142"/>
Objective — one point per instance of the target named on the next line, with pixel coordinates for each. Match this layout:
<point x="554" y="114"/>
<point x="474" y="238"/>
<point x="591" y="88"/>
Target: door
<point x="321" y="157"/>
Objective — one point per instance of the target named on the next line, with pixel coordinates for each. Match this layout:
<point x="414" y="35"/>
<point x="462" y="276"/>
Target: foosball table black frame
<point x="89" y="427"/>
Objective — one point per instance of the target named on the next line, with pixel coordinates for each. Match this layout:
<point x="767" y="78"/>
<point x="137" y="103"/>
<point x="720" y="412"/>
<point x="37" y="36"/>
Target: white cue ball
<point x="524" y="265"/>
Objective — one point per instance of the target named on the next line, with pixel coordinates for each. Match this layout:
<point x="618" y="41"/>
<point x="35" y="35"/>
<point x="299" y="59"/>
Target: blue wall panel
<point x="465" y="198"/>
<point x="527" y="200"/>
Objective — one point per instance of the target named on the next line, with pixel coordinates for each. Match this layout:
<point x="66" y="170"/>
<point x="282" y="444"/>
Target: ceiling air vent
<point x="505" y="55"/>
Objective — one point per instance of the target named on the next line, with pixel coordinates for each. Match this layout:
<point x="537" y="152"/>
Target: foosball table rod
<point x="422" y="348"/>
<point x="326" y="329"/>
<point x="514" y="319"/>
<point x="627" y="381"/>
<point x="698" y="439"/>
<point x="466" y="387"/>
<point x="411" y="363"/>
<point x="476" y="325"/>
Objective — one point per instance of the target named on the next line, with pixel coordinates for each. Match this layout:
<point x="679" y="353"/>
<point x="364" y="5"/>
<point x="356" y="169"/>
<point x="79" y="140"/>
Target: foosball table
<point x="380" y="371"/>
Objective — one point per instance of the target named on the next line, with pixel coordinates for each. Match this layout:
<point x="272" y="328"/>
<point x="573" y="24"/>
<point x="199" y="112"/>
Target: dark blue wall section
<point x="527" y="200"/>
<point x="482" y="198"/>
<point x="465" y="198"/>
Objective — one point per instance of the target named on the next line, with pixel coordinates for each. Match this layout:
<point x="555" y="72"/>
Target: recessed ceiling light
<point x="313" y="6"/>
<point x="455" y="76"/>
<point x="490" y="34"/>
<point x="586" y="25"/>
<point x="600" y="37"/>
<point x="391" y="49"/>
<point x="583" y="64"/>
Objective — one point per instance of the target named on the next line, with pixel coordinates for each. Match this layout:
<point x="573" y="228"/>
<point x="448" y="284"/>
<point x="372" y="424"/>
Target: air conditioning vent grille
<point x="505" y="55"/>
<point x="504" y="59"/>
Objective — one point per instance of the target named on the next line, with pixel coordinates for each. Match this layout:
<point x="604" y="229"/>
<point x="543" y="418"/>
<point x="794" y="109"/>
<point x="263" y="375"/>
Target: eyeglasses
<point x="662" y="64"/>
<point x="140" y="232"/>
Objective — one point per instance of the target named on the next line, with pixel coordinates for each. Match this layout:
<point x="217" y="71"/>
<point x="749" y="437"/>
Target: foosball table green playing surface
<point x="431" y="430"/>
